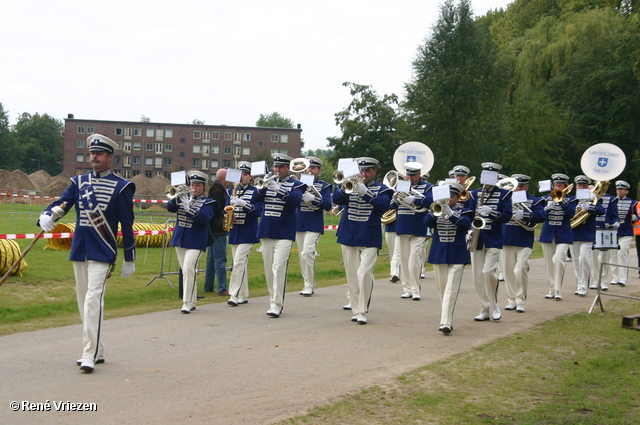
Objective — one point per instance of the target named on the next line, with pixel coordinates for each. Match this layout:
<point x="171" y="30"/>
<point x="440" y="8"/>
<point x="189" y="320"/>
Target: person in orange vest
<point x="636" y="232"/>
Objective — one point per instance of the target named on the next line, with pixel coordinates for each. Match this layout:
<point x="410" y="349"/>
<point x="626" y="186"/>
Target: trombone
<point x="558" y="195"/>
<point x="465" y="195"/>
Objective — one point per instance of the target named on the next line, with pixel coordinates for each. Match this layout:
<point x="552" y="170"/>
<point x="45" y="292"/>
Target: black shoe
<point x="200" y="296"/>
<point x="394" y="278"/>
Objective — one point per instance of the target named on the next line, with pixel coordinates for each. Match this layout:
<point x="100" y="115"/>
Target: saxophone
<point x="227" y="225"/>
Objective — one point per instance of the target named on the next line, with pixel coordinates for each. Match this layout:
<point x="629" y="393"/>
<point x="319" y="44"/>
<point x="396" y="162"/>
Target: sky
<point x="221" y="62"/>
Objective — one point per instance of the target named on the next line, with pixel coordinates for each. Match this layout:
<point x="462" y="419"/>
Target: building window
<point x="118" y="131"/>
<point x="168" y="147"/>
<point x="237" y="137"/>
<point x="226" y="163"/>
<point x="205" y="164"/>
<point x="246" y="137"/>
<point x="276" y="150"/>
<point x="158" y="163"/>
<point x="246" y="151"/>
<point x="119" y="145"/>
<point x="137" y="132"/>
<point x="159" y="134"/>
<point x="214" y="163"/>
<point x="196" y="149"/>
<point x="148" y="160"/>
<point x="206" y="136"/>
<point x="80" y="144"/>
<point x="127" y="161"/>
<point x="275" y="138"/>
<point x="150" y="132"/>
<point x="127" y="147"/>
<point x="260" y="143"/>
<point x="227" y="135"/>
<point x="148" y="147"/>
<point x="181" y="154"/>
<point x="215" y="150"/>
<point x="117" y="159"/>
<point x="81" y="129"/>
<point x="79" y="171"/>
<point x="227" y="150"/>
<point x="215" y="135"/>
<point x="284" y="138"/>
<point x="168" y="133"/>
<point x="197" y="134"/>
<point x="137" y="146"/>
<point x="236" y="151"/>
<point x="91" y="129"/>
<point x="195" y="162"/>
<point x="136" y="160"/>
<point x="128" y="133"/>
<point x="183" y="140"/>
<point x="159" y="148"/>
<point x="148" y="174"/>
<point x="136" y="172"/>
<point x="167" y="161"/>
<point x="126" y="173"/>
<point x="80" y="157"/>
<point x="205" y="150"/>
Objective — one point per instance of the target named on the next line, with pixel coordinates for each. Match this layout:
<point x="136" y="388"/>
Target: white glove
<point x="615" y="225"/>
<point x="360" y="189"/>
<point x="308" y="197"/>
<point x="550" y="205"/>
<point x="484" y="210"/>
<point x="409" y="199"/>
<point x="273" y="186"/>
<point x="46" y="222"/>
<point x="518" y="215"/>
<point x="184" y="203"/>
<point x="128" y="267"/>
<point x="584" y="205"/>
<point x="239" y="202"/>
<point x="446" y="209"/>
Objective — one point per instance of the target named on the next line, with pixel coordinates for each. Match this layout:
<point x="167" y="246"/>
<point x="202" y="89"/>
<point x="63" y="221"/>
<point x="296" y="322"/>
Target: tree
<point x="41" y="138"/>
<point x="453" y="102"/>
<point x="274" y="119"/>
<point x="10" y="150"/>
<point x="197" y="121"/>
<point x="144" y="118"/>
<point x="368" y="126"/>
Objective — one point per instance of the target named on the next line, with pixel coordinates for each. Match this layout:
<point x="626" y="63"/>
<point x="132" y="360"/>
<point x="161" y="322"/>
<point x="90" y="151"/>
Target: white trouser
<point x="599" y="256"/>
<point x="239" y="280"/>
<point x="621" y="256"/>
<point x="581" y="254"/>
<point x="515" y="260"/>
<point x="359" y="263"/>
<point x="307" y="242"/>
<point x="448" y="278"/>
<point x="501" y="266"/>
<point x="394" y="252"/>
<point x="555" y="258"/>
<point x="188" y="260"/>
<point x="275" y="255"/>
<point x="484" y="263"/>
<point x="411" y="261"/>
<point x="91" y="280"/>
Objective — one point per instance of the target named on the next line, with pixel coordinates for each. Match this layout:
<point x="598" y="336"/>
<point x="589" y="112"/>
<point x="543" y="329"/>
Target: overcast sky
<point x="221" y="62"/>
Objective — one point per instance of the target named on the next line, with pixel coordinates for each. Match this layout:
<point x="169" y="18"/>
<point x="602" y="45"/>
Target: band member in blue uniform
<point x="191" y="233"/>
<point x="360" y="234"/>
<point x="102" y="200"/>
<point x="410" y="228"/>
<point x="625" y="209"/>
<point x="494" y="206"/>
<point x="461" y="174"/>
<point x="518" y="243"/>
<point x="599" y="256"/>
<point x="277" y="229"/>
<point x="583" y="236"/>
<point x="310" y="224"/>
<point x="243" y="236"/>
<point x="448" y="253"/>
<point x="556" y="235"/>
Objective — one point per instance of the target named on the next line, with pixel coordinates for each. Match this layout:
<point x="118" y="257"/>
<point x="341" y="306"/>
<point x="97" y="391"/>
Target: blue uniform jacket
<point x="586" y="232"/>
<point x="449" y="245"/>
<point x="192" y="226"/>
<point x="409" y="222"/>
<point x="360" y="224"/>
<point x="245" y="219"/>
<point x="611" y="214"/>
<point x="625" y="208"/>
<point x="516" y="235"/>
<point x="500" y="202"/>
<point x="278" y="219"/>
<point x="312" y="220"/>
<point x="558" y="222"/>
<point x="114" y="196"/>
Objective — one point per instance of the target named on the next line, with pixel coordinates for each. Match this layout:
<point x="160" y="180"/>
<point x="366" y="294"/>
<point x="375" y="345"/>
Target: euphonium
<point x="581" y="216"/>
<point x="299" y="166"/>
<point x="229" y="211"/>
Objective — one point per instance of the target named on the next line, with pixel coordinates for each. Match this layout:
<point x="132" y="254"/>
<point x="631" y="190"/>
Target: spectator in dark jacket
<point x="217" y="247"/>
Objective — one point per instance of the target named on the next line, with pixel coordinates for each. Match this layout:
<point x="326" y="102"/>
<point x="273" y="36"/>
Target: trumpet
<point x="180" y="191"/>
<point x="557" y="195"/>
<point x="261" y="182"/>
<point x="436" y="208"/>
<point x="347" y="184"/>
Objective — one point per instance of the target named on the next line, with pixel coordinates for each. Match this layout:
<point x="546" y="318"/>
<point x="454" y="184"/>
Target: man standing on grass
<point x="102" y="200"/>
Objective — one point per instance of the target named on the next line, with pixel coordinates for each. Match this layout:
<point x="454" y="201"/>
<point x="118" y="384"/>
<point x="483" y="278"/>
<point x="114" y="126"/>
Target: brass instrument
<point x="347" y="184"/>
<point x="390" y="180"/>
<point x="508" y="183"/>
<point x="464" y="196"/>
<point x="229" y="211"/>
<point x="436" y="208"/>
<point x="581" y="216"/>
<point x="180" y="191"/>
<point x="337" y="176"/>
<point x="336" y="210"/>
<point x="398" y="198"/>
<point x="477" y="223"/>
<point x="557" y="195"/>
<point x="261" y="182"/>
<point x="299" y="166"/>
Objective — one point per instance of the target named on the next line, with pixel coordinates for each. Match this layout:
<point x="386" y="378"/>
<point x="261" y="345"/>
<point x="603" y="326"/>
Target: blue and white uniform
<point x="625" y="209"/>
<point x="599" y="256"/>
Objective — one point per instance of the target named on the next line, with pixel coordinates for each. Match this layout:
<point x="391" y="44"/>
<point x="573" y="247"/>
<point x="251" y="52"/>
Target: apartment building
<point x="151" y="148"/>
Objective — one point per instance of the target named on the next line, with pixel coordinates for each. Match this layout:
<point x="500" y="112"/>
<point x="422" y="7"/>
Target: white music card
<point x="544" y="186"/>
<point x="179" y="177"/>
<point x="233" y="175"/>
<point x="441" y="193"/>
<point x="403" y="186"/>
<point x="583" y="194"/>
<point x="489" y="177"/>
<point x="350" y="169"/>
<point x="259" y="168"/>
<point x="519" y="197"/>
<point x="307" y="179"/>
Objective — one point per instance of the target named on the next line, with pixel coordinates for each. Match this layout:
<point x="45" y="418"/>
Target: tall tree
<point x="452" y="102"/>
<point x="41" y="138"/>
<point x="10" y="150"/>
<point x="368" y="126"/>
<point x="274" y="119"/>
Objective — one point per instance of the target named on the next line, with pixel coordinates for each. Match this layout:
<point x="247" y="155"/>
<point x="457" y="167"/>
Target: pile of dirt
<point x="15" y="180"/>
<point x="153" y="188"/>
<point x="40" y="179"/>
<point x="56" y="185"/>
